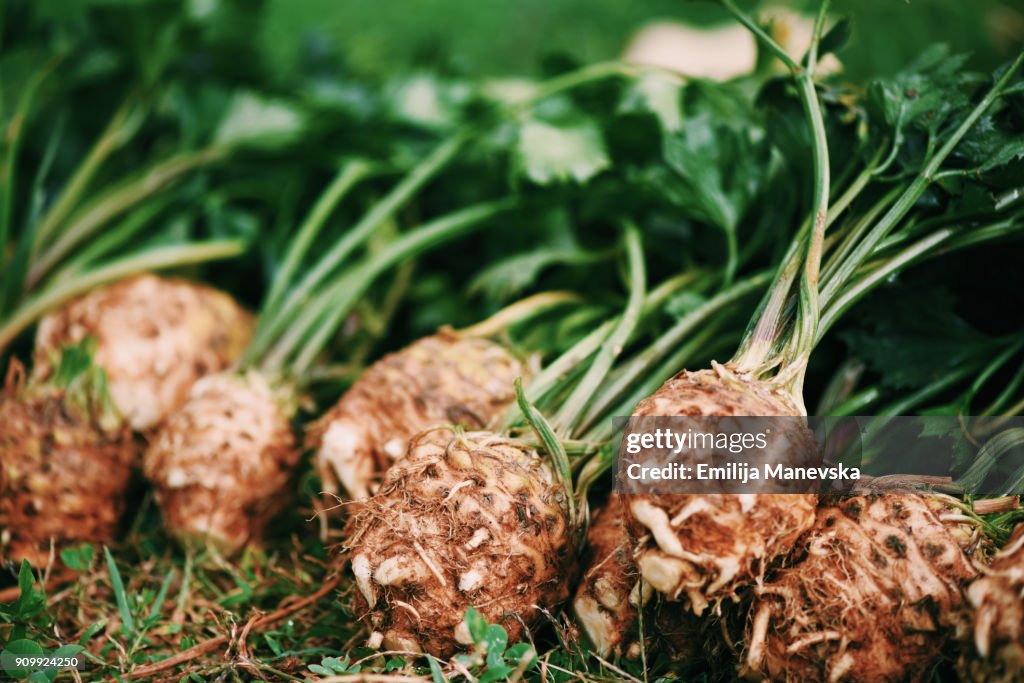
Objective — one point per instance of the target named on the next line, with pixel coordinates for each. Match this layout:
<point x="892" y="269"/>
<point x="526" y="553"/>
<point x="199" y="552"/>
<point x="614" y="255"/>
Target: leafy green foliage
<point x="29" y="609"/>
<point x="923" y="95"/>
<point x="556" y="153"/>
<point x="914" y="337"/>
<point x="332" y="666"/>
<point x="79" y="558"/>
<point x="492" y="659"/>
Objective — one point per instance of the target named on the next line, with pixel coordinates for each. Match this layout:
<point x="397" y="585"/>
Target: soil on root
<point x="707" y="548"/>
<point x="440" y="379"/>
<point x="873" y="593"/>
<point x="993" y="648"/>
<point x="63" y="475"/>
<point x="220" y="466"/>
<point x="604" y="603"/>
<point x="615" y="607"/>
<point x="465" y="519"/>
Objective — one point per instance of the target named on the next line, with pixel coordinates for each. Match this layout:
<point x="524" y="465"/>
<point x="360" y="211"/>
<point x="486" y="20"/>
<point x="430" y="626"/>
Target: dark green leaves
<point x="719" y="168"/>
<point x="78" y="558"/>
<point x="923" y="94"/>
<point x="914" y="338"/>
<point x="836" y="37"/>
<point x="492" y="655"/>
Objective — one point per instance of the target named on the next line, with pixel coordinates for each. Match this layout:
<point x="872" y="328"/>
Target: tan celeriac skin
<point x="993" y="648"/>
<point x="441" y="379"/>
<point x="872" y="593"/>
<point x="220" y="466"/>
<point x="611" y="598"/>
<point x="465" y="519"/>
<point x="154" y="338"/>
<point x="64" y="472"/>
<point x="705" y="548"/>
<point x="607" y="596"/>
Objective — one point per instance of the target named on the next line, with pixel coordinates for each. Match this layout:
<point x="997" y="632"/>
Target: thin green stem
<point x="152" y="259"/>
<point x="987" y="372"/>
<point x="381" y="212"/>
<point x="116" y="134"/>
<point x="12" y="144"/>
<point x="762" y="335"/>
<point x="561" y="367"/>
<point x="921" y="182"/>
<point x="572" y="410"/>
<point x="342" y="296"/>
<point x="761" y="35"/>
<point x="802" y="341"/>
<point x="517" y="312"/>
<point x="907" y="403"/>
<point x="559" y="458"/>
<point x="861" y="226"/>
<point x="854" y="404"/>
<point x="759" y="344"/>
<point x="833" y="308"/>
<point x="116" y="236"/>
<point x="582" y="76"/>
<point x="350" y="174"/>
<point x="117" y="201"/>
<point x="1006" y="395"/>
<point x="12" y="273"/>
<point x="637" y="367"/>
<point x="816" y="33"/>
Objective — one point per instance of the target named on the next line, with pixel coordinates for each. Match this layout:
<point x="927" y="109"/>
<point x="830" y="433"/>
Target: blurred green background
<point x="510" y="36"/>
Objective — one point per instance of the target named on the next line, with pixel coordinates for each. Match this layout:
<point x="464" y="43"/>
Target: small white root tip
<point x="640" y="594"/>
<point x="398" y="570"/>
<point x="656" y="519"/>
<point x="479" y="536"/>
<point x="597" y="624"/>
<point x="755" y="655"/>
<point x="342" y="458"/>
<point x="607" y="595"/>
<point x="662" y="573"/>
<point x="362" y="570"/>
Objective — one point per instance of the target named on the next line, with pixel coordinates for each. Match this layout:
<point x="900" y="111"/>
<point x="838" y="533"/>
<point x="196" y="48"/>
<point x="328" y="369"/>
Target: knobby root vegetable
<point x="706" y="548"/>
<point x="440" y="379"/>
<point x="65" y="466"/>
<point x="994" y="635"/>
<point x="607" y="596"/>
<point x="873" y="593"/>
<point x="465" y="519"/>
<point x="610" y="597"/>
<point x="220" y="466"/>
<point x="155" y="337"/>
